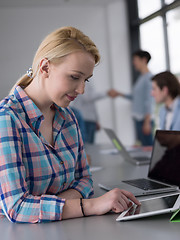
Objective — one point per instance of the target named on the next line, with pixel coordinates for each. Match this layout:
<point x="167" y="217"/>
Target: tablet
<point x="151" y="207"/>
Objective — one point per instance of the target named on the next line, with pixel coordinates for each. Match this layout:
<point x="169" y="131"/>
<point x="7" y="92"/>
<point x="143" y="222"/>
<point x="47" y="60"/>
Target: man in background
<point x="141" y="98"/>
<point x="166" y="90"/>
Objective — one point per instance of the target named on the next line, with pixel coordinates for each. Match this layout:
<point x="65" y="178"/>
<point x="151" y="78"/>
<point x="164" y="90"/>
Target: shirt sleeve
<point x="94" y="96"/>
<point x="83" y="178"/>
<point x="128" y="96"/>
<point x="91" y="96"/>
<point x="15" y="200"/>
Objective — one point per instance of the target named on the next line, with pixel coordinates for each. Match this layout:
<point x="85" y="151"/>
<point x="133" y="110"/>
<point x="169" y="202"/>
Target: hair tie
<point x="29" y="72"/>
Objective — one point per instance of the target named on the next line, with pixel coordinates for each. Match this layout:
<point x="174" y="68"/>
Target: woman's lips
<point x="71" y="98"/>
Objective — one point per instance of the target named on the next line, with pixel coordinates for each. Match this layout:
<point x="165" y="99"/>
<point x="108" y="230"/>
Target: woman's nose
<point x="80" y="88"/>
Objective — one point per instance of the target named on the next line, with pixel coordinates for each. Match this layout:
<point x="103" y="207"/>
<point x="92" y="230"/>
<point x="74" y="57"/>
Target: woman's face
<point x="67" y="79"/>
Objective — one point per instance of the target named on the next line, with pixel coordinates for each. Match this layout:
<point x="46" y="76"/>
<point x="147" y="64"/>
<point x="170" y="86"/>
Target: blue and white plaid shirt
<point x="32" y="172"/>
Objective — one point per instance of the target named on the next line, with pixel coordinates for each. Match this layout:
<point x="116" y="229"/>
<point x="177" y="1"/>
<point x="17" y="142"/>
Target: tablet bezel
<point x="176" y="206"/>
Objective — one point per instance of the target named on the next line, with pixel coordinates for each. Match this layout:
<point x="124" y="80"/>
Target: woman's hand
<point x="116" y="200"/>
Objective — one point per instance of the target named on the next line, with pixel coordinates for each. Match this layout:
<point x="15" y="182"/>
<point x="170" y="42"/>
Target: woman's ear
<point x="44" y="67"/>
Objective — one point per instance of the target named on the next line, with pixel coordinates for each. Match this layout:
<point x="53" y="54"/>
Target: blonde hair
<point x="56" y="45"/>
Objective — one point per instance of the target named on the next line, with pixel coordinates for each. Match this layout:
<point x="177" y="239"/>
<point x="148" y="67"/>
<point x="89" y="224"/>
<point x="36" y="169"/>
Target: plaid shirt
<point x="32" y="172"/>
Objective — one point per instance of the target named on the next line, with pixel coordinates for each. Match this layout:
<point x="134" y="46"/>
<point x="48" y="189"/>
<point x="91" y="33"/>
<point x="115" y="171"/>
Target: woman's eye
<point x="86" y="80"/>
<point x="74" y="77"/>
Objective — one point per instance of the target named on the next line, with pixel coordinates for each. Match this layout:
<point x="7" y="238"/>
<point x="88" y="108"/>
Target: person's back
<point x="142" y="94"/>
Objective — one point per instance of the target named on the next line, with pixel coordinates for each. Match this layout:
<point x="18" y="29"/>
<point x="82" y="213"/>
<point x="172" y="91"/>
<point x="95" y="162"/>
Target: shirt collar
<point x="30" y="108"/>
<point x="173" y="105"/>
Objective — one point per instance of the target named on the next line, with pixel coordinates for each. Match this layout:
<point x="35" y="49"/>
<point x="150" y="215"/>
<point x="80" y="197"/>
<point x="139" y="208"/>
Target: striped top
<point x="32" y="172"/>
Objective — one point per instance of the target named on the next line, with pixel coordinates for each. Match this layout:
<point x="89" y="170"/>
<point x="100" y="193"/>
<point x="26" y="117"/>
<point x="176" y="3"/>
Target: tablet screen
<point x="152" y="205"/>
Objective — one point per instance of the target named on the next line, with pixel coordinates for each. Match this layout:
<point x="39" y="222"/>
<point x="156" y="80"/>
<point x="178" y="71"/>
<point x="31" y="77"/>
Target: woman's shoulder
<point x="9" y="105"/>
<point x="6" y="103"/>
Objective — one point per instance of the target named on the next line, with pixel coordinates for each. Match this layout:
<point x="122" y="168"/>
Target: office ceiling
<point x="36" y="3"/>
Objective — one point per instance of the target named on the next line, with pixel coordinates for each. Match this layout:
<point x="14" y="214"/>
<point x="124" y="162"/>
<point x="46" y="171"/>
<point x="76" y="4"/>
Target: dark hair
<point x="143" y="54"/>
<point x="167" y="79"/>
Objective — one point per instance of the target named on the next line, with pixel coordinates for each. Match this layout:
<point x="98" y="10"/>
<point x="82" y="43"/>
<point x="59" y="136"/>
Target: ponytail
<point x="23" y="82"/>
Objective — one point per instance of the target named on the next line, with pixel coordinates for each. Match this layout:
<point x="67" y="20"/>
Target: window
<point x="173" y="23"/>
<point x="147" y="7"/>
<point x="151" y="37"/>
<point x="155" y="27"/>
<point x="168" y="1"/>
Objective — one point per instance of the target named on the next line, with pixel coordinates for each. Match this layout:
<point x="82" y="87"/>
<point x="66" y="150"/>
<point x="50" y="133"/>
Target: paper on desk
<point x="95" y="169"/>
<point x="176" y="216"/>
<point x="109" y="151"/>
<point x="133" y="149"/>
<point x="140" y="154"/>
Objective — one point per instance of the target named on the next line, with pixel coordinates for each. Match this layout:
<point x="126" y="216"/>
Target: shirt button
<point x="61" y="162"/>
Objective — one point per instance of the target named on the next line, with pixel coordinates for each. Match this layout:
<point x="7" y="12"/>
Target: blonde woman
<point x="44" y="175"/>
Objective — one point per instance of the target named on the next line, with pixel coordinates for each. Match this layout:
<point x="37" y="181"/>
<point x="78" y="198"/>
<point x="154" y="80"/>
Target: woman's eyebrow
<point x="82" y="73"/>
<point x="78" y="72"/>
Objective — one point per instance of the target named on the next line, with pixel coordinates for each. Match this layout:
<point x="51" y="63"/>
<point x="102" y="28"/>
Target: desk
<point x="98" y="227"/>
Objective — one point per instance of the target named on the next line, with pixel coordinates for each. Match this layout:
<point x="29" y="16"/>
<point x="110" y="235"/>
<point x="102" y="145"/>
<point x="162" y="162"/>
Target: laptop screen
<point x="165" y="161"/>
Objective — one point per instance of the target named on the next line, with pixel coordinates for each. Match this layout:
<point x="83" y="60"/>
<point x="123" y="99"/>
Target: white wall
<point x="119" y="71"/>
<point x="121" y="74"/>
<point x="22" y="29"/>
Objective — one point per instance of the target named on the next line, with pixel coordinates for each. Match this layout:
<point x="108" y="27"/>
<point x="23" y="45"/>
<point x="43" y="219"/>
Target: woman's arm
<point x="115" y="200"/>
<point x="70" y="194"/>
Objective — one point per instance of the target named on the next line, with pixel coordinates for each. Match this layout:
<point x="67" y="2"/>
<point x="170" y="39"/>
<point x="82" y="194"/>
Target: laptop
<point x="151" y="207"/>
<point x="140" y="157"/>
<point x="164" y="168"/>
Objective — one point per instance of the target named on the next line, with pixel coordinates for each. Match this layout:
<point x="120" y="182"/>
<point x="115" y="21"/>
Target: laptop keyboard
<point x="145" y="184"/>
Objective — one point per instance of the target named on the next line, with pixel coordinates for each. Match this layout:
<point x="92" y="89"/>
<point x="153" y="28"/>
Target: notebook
<point x="140" y="156"/>
<point x="164" y="168"/>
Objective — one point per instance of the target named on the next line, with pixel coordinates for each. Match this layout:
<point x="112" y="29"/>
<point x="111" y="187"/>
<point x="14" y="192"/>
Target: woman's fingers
<point x="116" y="200"/>
<point x="121" y="206"/>
<point x="123" y="200"/>
<point x="131" y="197"/>
<point x="120" y="201"/>
<point x="123" y="203"/>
